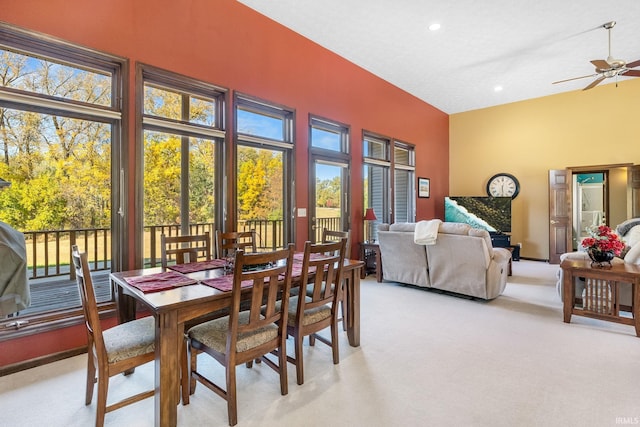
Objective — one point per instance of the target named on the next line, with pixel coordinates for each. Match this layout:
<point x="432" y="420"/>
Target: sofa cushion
<point x="402" y="260"/>
<point x="476" y="232"/>
<point x="633" y="255"/>
<point x="403" y="226"/>
<point x="454" y="228"/>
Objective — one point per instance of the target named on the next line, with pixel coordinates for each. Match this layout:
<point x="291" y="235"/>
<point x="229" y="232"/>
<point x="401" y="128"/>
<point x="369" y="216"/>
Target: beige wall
<point x="528" y="138"/>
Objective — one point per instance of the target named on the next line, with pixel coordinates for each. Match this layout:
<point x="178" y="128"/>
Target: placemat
<point x="160" y="281"/>
<point x="192" y="267"/>
<point x="225" y="283"/>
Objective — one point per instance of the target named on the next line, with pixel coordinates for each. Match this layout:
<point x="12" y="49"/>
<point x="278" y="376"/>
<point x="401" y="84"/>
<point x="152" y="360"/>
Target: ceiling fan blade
<point x="631" y="73"/>
<point x="601" y="64"/>
<point x="574" y="78"/>
<point x="594" y="83"/>
<point x="633" y="64"/>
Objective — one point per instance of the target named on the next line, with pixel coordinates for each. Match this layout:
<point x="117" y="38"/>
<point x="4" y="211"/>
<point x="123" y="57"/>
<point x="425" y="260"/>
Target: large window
<point x="183" y="134"/>
<point x="329" y="176"/>
<point x="376" y="180"/>
<point x="60" y="121"/>
<point x="392" y="196"/>
<point x="264" y="171"/>
<point x="404" y="182"/>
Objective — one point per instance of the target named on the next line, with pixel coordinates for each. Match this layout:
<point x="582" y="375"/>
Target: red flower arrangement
<point x="603" y="239"/>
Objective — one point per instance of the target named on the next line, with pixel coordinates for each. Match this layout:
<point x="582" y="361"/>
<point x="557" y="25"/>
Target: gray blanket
<point x="623" y="228"/>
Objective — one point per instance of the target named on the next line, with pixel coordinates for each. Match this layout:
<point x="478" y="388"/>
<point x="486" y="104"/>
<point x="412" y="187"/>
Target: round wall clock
<point x="503" y="185"/>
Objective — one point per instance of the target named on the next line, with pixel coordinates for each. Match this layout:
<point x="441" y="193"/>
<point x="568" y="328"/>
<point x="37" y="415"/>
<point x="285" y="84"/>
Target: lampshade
<point x="370" y="215"/>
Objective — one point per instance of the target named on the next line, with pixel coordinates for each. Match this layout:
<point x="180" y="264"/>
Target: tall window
<point x="377" y="190"/>
<point x="183" y="133"/>
<point x="404" y="182"/>
<point x="329" y="174"/>
<point x="264" y="171"/>
<point x="60" y="121"/>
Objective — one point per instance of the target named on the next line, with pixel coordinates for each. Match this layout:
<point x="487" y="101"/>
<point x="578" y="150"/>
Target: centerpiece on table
<point x="602" y="245"/>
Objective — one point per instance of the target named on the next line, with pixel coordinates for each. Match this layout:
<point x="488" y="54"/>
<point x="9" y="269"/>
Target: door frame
<point x="561" y="203"/>
<point x="344" y="199"/>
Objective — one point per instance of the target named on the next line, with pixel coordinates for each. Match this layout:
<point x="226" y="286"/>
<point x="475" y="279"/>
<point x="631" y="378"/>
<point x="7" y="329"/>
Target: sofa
<point x="462" y="260"/>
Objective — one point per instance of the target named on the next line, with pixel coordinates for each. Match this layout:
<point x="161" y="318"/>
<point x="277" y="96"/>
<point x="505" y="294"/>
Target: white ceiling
<point x="521" y="45"/>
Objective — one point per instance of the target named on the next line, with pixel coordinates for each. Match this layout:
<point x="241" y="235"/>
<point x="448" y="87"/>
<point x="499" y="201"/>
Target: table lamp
<point x="369" y="215"/>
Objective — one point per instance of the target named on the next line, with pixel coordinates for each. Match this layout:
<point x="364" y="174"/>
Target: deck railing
<point x="49" y="251"/>
<point x="51" y="279"/>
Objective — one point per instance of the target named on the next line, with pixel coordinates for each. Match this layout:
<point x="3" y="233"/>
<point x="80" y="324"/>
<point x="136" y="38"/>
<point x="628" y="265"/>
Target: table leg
<point x="636" y="305"/>
<point x="125" y="305"/>
<point x="568" y="292"/>
<point x="167" y="369"/>
<point x="353" y="307"/>
<point x="126" y="310"/>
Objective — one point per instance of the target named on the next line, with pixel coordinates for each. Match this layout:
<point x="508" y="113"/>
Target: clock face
<point x="503" y="185"/>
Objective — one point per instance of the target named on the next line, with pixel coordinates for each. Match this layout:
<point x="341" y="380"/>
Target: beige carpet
<point x="426" y="359"/>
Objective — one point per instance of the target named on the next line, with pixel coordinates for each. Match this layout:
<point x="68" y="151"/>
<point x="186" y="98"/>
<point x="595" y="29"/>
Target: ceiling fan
<point x="610" y="67"/>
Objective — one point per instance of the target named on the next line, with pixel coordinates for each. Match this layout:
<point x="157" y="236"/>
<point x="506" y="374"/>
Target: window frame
<point x="411" y="169"/>
<point x="47" y="47"/>
<point x="185" y="86"/>
<point x="287" y="146"/>
<point x="340" y="158"/>
<point x="384" y="162"/>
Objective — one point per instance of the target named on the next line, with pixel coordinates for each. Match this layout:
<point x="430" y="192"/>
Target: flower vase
<point x="600" y="258"/>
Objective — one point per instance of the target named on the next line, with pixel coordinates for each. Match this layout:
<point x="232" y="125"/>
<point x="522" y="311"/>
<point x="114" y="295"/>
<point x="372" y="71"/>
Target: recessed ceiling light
<point x="497" y="88"/>
<point x="434" y="27"/>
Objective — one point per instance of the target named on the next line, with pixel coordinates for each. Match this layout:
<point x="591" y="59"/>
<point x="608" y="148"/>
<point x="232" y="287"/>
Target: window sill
<point x="23" y="326"/>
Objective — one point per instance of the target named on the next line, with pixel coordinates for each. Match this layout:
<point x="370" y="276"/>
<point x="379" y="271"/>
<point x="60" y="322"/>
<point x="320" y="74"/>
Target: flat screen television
<point x="488" y="213"/>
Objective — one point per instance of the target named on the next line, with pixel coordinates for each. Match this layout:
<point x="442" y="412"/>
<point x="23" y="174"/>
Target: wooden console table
<point x="602" y="296"/>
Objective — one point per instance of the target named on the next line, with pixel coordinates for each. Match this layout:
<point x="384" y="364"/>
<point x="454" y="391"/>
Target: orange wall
<point x="230" y="45"/>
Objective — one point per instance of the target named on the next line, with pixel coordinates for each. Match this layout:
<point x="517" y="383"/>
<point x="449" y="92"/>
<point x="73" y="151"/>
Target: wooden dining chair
<point x="333" y="236"/>
<point x="187" y="248"/>
<point x="245" y="335"/>
<point x="234" y="241"/>
<point x="322" y="266"/>
<point x="112" y="351"/>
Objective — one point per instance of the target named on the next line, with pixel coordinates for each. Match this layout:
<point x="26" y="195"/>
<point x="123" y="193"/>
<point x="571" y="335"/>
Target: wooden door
<point x="634" y="185"/>
<point x="560" y="230"/>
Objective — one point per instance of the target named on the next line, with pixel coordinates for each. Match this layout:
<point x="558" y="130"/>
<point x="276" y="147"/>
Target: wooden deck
<point x="57" y="293"/>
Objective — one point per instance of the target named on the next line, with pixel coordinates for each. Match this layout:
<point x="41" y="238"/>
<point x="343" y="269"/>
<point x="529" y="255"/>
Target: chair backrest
<point x="232" y="241"/>
<point x="89" y="304"/>
<point x="270" y="275"/>
<point x="194" y="247"/>
<point x="322" y="266"/>
<point x="335" y="236"/>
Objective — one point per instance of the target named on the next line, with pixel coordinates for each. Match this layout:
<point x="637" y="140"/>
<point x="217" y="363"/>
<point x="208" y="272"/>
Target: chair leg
<point x="232" y="407"/>
<point x="298" y="352"/>
<point x="334" y="343"/>
<point x="91" y="377"/>
<point x="101" y="406"/>
<point x="282" y="367"/>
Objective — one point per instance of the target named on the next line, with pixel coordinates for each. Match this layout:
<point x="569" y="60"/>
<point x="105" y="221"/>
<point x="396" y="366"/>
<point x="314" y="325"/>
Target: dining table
<point x="180" y="294"/>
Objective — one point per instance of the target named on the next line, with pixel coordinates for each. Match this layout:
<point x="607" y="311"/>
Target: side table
<point x="602" y="295"/>
<point x="370" y="254"/>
